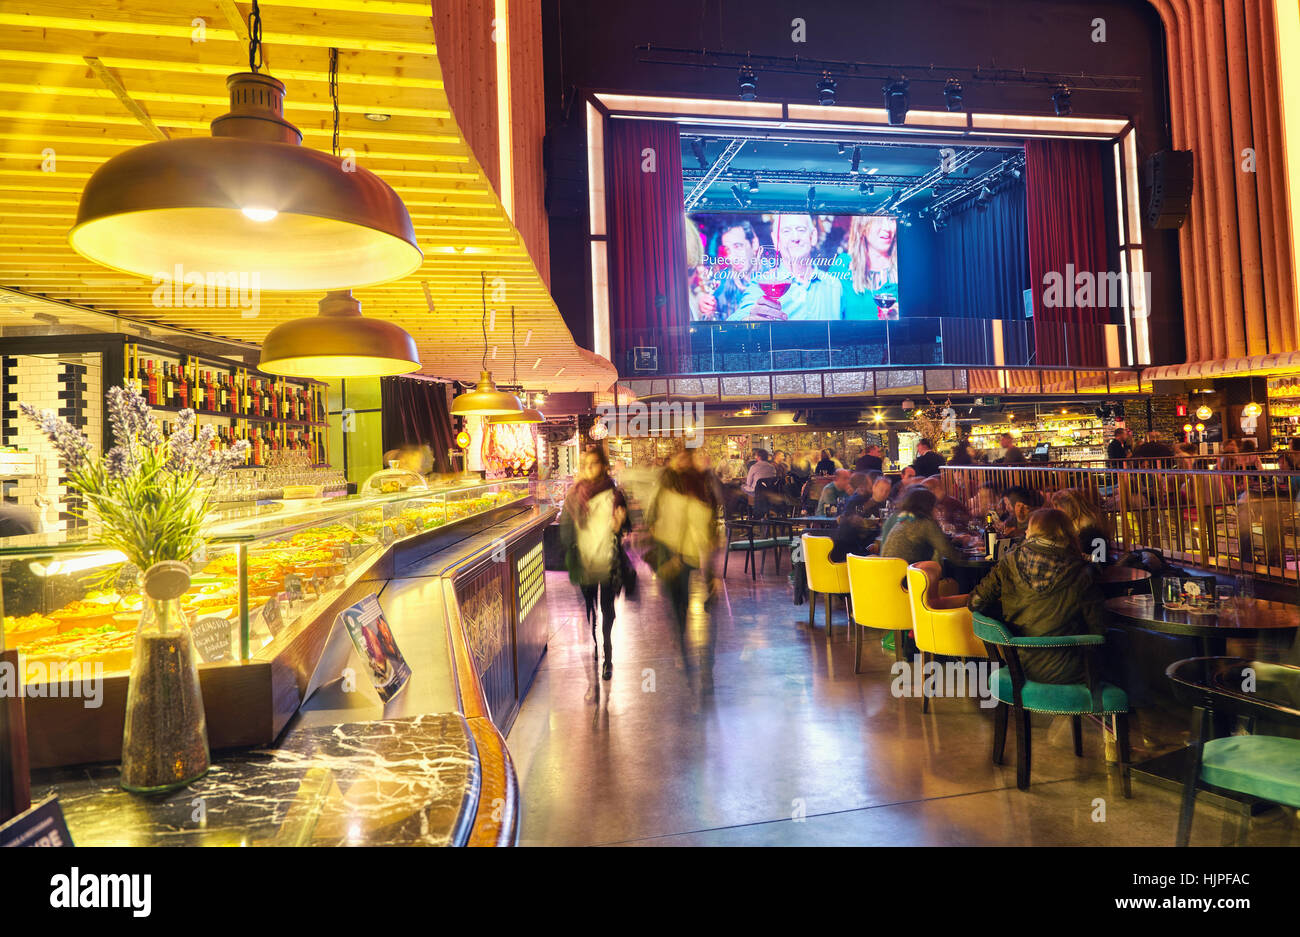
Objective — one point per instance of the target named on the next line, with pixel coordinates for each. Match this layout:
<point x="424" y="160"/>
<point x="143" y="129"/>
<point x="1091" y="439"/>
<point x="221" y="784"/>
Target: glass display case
<point x="268" y="568"/>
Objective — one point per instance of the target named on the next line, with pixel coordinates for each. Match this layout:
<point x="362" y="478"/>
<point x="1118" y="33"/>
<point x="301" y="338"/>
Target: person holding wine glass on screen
<point x="789" y="285"/>
<point x="872" y="292"/>
<point x="738" y="253"/>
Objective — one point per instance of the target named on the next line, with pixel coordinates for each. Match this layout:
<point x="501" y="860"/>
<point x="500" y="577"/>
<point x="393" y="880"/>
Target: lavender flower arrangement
<point x="150" y="492"/>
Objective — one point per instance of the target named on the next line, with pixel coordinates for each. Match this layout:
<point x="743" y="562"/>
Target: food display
<point x="294" y="567"/>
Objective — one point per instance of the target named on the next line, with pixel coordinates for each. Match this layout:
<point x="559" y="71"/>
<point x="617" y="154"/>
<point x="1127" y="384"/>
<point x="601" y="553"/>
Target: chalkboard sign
<point x="213" y="639"/>
<point x="42" y="825"/>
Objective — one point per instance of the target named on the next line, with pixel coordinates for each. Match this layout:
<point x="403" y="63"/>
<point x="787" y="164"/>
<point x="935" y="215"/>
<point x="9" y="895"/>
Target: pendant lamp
<point x="485" y="399"/>
<point x="248" y="200"/>
<point x="339" y="342"/>
<point x="527" y="414"/>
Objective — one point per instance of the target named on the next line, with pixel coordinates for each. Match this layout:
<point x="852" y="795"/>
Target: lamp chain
<point x="483" y="293"/>
<point x="255" y="39"/>
<point x="334" y="95"/>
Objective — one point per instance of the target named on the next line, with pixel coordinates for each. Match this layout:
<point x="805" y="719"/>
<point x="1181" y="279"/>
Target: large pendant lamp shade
<point x="485" y="400"/>
<point x="526" y="415"/>
<point x="247" y="200"/>
<point x="339" y="342"/>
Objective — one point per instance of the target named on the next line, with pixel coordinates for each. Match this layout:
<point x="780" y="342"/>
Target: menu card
<point x="368" y="628"/>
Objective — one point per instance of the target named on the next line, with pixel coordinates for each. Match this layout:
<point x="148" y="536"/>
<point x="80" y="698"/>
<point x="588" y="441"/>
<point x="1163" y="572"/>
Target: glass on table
<point x="1223" y="594"/>
<point x="1173" y="592"/>
<point x="1245" y="586"/>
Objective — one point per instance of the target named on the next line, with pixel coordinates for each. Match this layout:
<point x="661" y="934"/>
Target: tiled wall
<point x="72" y="387"/>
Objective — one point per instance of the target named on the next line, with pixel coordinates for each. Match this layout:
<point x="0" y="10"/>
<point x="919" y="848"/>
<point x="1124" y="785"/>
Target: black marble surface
<point x="409" y="781"/>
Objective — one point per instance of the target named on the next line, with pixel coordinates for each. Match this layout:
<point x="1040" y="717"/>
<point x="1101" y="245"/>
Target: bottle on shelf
<point x="183" y="385"/>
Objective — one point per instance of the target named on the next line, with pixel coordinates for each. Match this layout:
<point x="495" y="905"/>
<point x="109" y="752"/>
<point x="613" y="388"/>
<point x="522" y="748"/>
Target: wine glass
<point x="770" y="280"/>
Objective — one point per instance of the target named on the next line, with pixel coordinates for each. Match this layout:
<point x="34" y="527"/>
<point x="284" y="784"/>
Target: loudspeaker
<point x="564" y="160"/>
<point x="1168" y="177"/>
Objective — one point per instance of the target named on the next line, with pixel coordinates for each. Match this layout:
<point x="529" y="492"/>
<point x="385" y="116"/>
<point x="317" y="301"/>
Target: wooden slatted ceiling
<point x="52" y="100"/>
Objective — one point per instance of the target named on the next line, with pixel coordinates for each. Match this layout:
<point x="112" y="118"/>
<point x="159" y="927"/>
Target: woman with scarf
<point x="592" y="525"/>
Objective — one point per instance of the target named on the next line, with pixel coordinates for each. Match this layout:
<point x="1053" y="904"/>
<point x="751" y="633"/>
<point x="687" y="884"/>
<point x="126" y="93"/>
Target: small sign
<point x="645" y="358"/>
<point x="765" y="406"/>
<point x="213" y="639"/>
<point x="271" y="616"/>
<point x="42" y="825"/>
<point x="386" y="535"/>
<point x="368" y="628"/>
<point x="317" y="584"/>
<point x="293" y="587"/>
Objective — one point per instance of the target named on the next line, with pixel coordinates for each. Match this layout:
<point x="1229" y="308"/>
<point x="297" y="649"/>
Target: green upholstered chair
<point x="741" y="539"/>
<point x="1266" y="767"/>
<point x="1018" y="697"/>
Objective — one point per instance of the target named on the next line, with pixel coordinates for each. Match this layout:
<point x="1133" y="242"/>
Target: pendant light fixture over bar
<point x="248" y="200"/>
<point x="527" y="414"/>
<point x="485" y="399"/>
<point x="339" y="342"/>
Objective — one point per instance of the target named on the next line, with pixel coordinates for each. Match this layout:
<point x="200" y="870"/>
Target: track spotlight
<point x="812" y="197"/>
<point x="1061" y="100"/>
<point x="839" y="148"/>
<point x="871" y="189"/>
<point x="1015" y="173"/>
<point x="741" y="198"/>
<point x="865" y="188"/>
<point x="748" y="82"/>
<point x="896" y="101"/>
<point x="952" y="94"/>
<point x="697" y="148"/>
<point x="856" y="165"/>
<point x="753" y="184"/>
<point x="826" y="90"/>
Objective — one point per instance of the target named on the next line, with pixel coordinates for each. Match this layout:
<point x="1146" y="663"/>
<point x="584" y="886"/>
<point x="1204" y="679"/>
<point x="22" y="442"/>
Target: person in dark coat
<point x="1044" y="588"/>
<point x="927" y="461"/>
<point x="870" y="461"/>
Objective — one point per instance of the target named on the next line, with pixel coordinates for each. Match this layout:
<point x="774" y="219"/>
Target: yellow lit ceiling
<point x="82" y="81"/>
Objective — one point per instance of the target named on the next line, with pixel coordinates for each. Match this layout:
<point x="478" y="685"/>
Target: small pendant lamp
<point x="527" y="414"/>
<point x="485" y="399"/>
<point x="339" y="342"/>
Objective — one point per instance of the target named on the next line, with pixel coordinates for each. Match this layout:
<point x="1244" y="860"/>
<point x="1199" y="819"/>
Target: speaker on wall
<point x="564" y="160"/>
<point x="1168" y="178"/>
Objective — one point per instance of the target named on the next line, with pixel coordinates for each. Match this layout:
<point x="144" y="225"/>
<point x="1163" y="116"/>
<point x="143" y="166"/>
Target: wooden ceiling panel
<point x="51" y="100"/>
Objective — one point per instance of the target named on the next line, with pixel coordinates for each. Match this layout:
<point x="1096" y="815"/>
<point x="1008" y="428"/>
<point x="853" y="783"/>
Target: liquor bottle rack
<point x="273" y="413"/>
<point x="1284" y="410"/>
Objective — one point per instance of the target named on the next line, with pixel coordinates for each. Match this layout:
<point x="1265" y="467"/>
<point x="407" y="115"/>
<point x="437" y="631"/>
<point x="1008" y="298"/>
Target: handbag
<point x="626" y="572"/>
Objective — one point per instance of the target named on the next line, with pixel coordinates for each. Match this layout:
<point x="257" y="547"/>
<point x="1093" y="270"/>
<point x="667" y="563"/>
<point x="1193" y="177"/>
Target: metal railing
<point x="1234" y="522"/>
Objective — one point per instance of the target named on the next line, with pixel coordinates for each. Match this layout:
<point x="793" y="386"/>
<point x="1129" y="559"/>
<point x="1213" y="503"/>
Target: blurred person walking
<point x="682" y="522"/>
<point x="592" y="525"/>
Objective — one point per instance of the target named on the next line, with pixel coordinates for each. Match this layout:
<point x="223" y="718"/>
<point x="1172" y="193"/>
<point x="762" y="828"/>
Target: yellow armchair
<point x="877" y="587"/>
<point x="823" y="576"/>
<point x="942" y="623"/>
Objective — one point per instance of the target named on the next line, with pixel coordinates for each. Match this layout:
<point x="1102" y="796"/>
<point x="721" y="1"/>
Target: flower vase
<point x="165" y="739"/>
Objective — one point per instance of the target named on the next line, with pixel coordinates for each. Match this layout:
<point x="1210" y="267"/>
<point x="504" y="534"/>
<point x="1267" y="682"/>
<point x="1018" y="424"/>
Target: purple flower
<point x="72" y="445"/>
<point x="128" y="413"/>
<point x="181" y="443"/>
<point x="117" y="462"/>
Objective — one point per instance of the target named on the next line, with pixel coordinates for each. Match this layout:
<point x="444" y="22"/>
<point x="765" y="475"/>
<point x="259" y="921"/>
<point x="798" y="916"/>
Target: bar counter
<point x="466" y="605"/>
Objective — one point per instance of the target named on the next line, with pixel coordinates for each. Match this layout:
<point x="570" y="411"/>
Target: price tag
<point x="213" y="639"/>
<point x="42" y="825"/>
<point x="293" y="587"/>
<point x="271" y="616"/>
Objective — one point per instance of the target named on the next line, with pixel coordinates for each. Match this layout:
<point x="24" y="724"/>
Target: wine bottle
<point x="183" y="385"/>
<point x="990" y="536"/>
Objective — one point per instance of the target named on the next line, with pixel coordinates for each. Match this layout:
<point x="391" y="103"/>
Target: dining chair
<point x="878" y="597"/>
<point x="942" y="623"/>
<point x="1018" y="696"/>
<point x="823" y="576"/>
<point x="1266" y="767"/>
<point x="747" y="544"/>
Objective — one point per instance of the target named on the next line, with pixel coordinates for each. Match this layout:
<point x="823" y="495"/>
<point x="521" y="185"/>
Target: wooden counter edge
<point x="496" y="820"/>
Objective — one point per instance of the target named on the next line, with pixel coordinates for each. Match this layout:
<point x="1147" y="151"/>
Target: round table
<point x="1124" y="580"/>
<point x="1241" y="618"/>
<point x="968" y="568"/>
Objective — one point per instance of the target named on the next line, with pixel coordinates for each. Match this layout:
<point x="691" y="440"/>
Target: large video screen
<point x="791" y="268"/>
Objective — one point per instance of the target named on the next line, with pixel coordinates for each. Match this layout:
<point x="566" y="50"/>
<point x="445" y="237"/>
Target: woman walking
<point x="591" y="529"/>
<point x="682" y="520"/>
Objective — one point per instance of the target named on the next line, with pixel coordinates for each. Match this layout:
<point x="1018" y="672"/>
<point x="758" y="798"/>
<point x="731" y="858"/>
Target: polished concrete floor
<point x="754" y="730"/>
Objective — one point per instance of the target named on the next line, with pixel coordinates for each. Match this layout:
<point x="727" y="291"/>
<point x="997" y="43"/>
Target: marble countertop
<point x="407" y="781"/>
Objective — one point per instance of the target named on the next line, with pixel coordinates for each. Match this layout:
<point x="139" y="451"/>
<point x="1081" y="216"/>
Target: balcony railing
<point x="732" y="347"/>
<point x="1233" y="522"/>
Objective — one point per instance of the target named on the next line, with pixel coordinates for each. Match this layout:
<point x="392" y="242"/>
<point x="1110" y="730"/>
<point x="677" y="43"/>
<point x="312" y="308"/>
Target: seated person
<point x="835" y="493"/>
<point x="855" y="532"/>
<point x="1043" y="588"/>
<point x="871" y="460"/>
<point x="762" y="468"/>
<point x="914" y="536"/>
<point x="988" y="498"/>
<point x="878" y="500"/>
<point x="1087" y="521"/>
<point x="1020" y="504"/>
<point x="948" y="511"/>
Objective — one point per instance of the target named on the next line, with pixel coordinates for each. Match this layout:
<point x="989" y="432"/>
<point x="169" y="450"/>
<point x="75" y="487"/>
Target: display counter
<point x="459" y="576"/>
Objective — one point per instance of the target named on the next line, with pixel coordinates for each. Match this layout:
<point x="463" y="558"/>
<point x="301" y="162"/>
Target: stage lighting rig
<point x="896" y="101"/>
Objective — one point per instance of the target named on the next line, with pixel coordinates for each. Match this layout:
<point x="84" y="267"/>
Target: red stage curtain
<point x="1063" y="194"/>
<point x="647" y="242"/>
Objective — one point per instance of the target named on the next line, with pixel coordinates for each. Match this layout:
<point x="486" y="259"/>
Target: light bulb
<point x="259" y="214"/>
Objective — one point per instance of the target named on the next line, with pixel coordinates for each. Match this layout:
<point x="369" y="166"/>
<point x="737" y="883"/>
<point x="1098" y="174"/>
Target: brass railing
<point x="1235" y="522"/>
